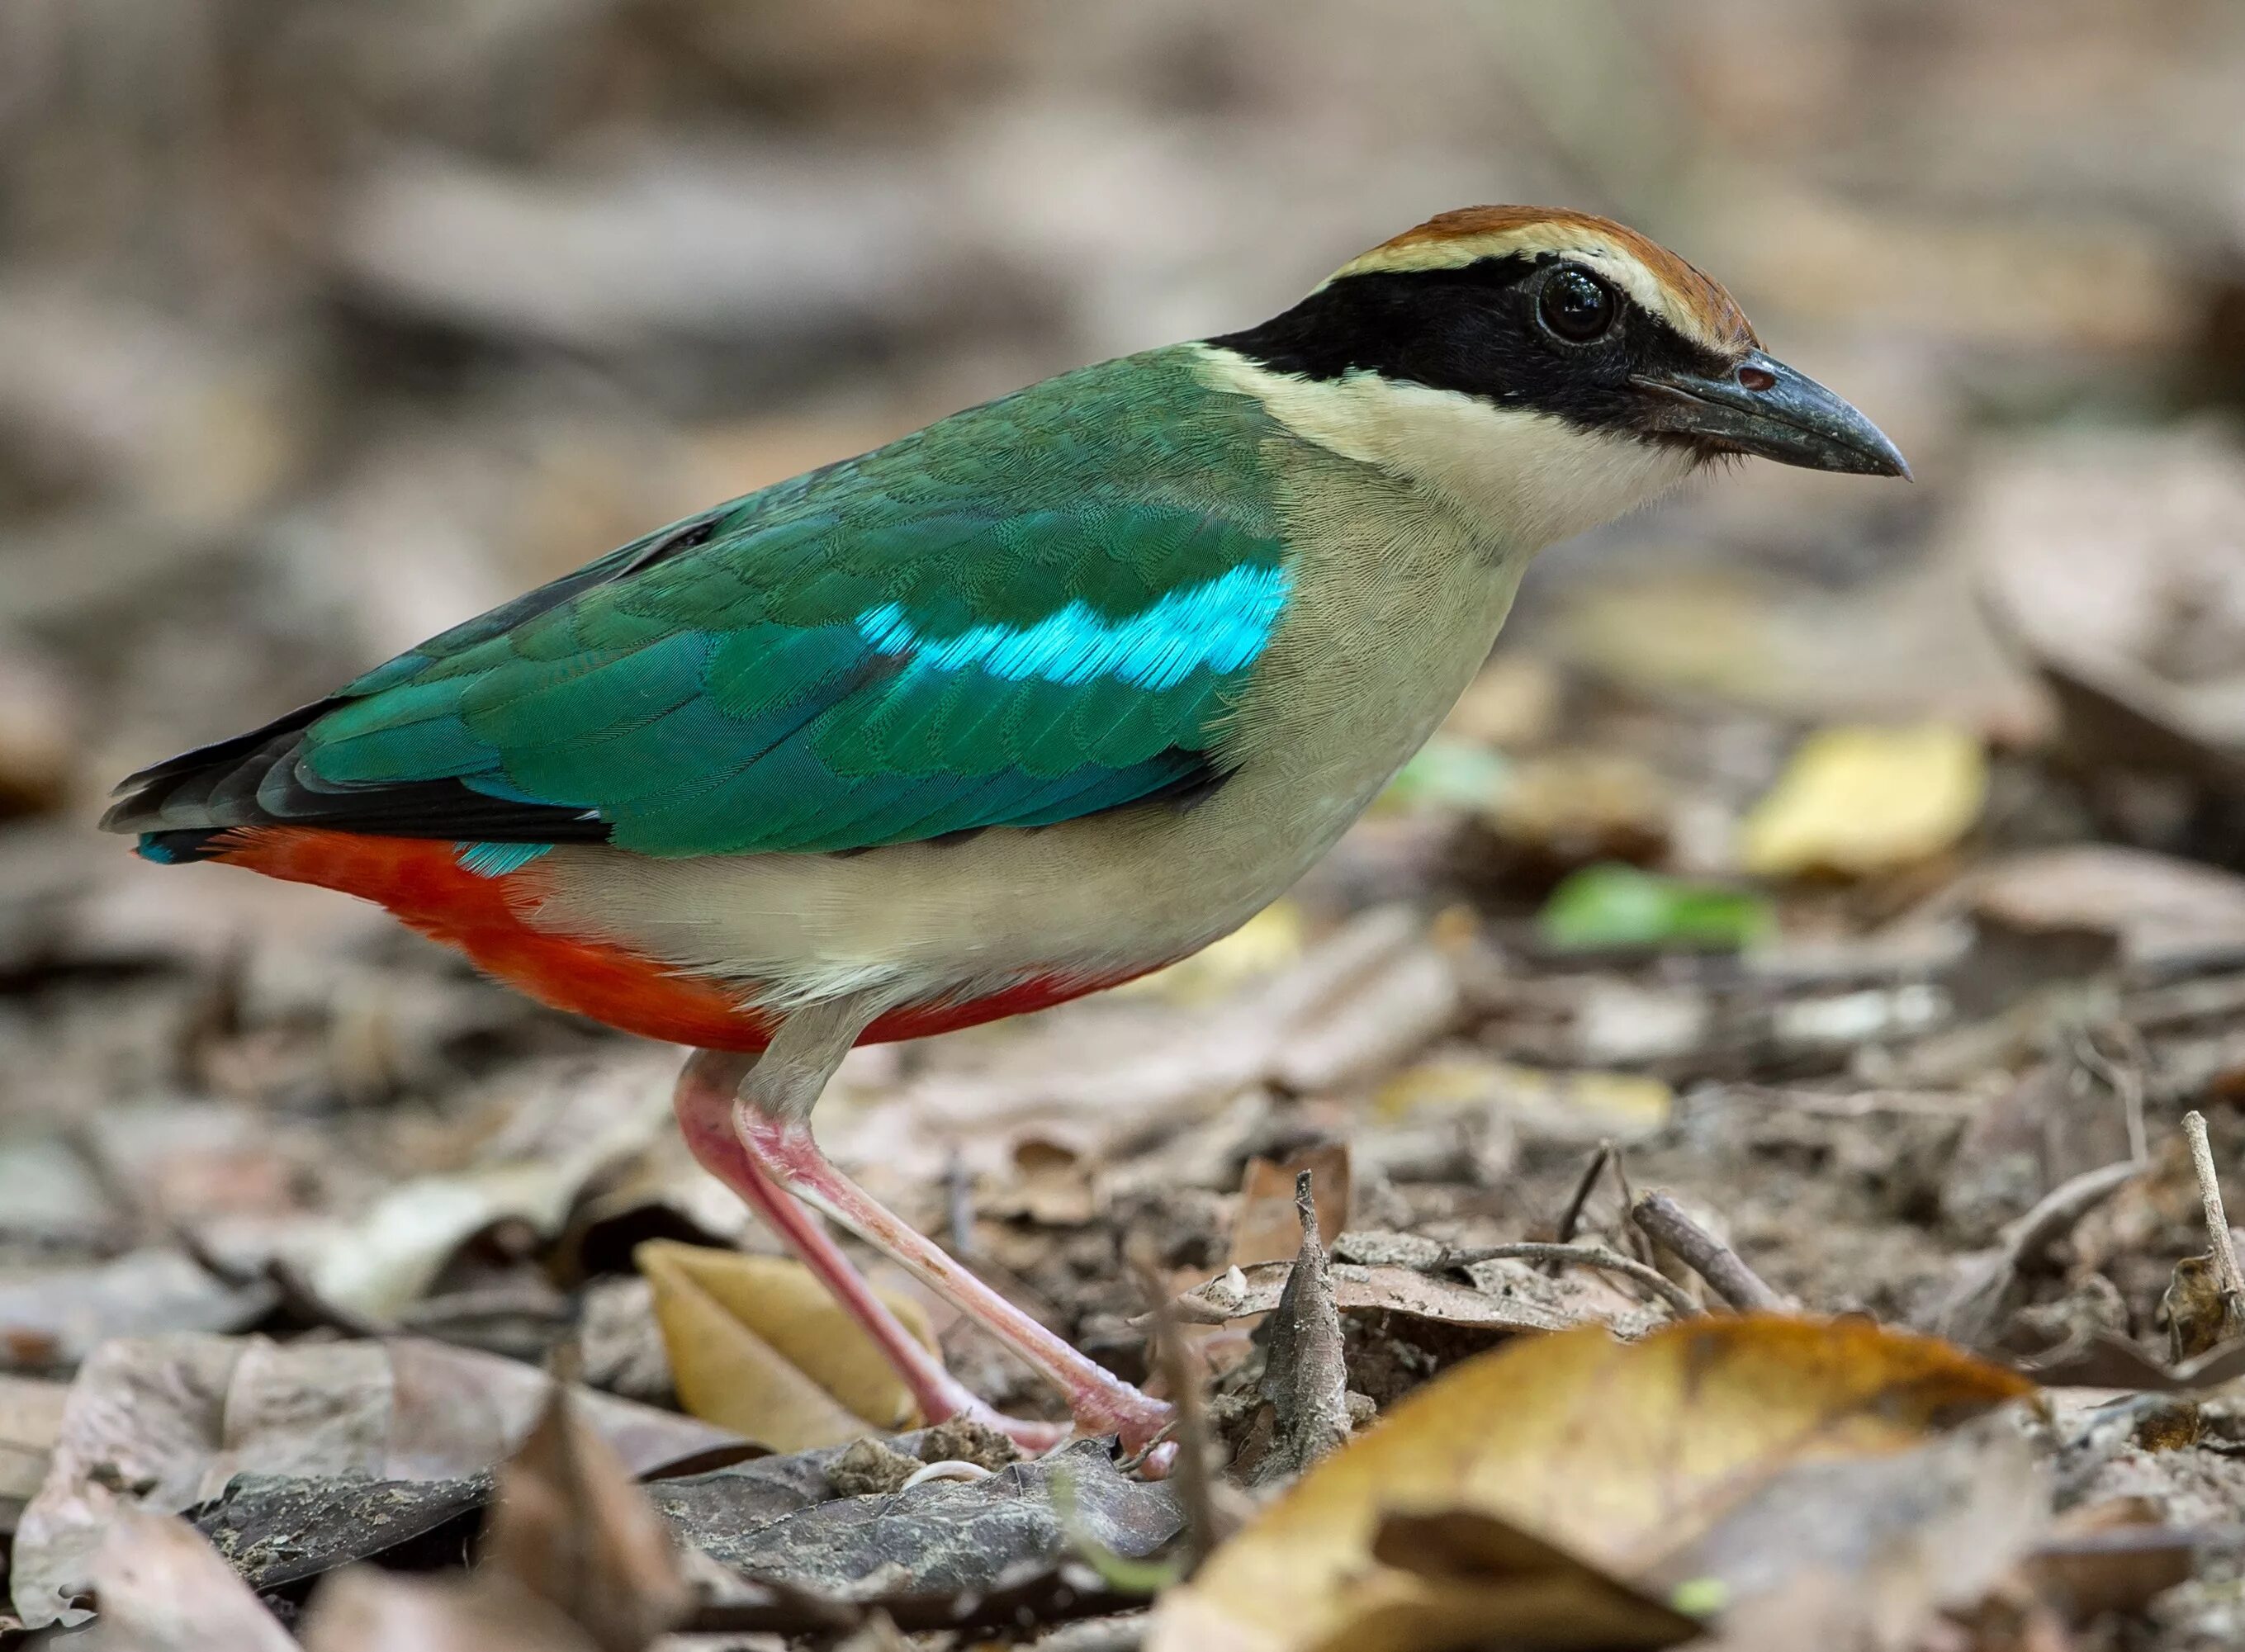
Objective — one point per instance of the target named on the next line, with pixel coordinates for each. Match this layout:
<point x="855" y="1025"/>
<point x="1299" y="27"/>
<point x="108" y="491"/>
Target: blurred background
<point x="324" y="325"/>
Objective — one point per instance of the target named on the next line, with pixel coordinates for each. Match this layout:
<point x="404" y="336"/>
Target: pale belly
<point x="1096" y="899"/>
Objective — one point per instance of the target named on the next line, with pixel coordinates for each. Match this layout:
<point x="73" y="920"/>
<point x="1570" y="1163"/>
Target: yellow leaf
<point x="1463" y="1576"/>
<point x="757" y="1345"/>
<point x="1860" y="800"/>
<point x="1566" y="1103"/>
<point x="1267" y="943"/>
<point x="1617" y="1453"/>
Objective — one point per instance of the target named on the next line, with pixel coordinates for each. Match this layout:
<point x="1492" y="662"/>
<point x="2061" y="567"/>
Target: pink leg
<point x="1101" y="1402"/>
<point x="704" y="1104"/>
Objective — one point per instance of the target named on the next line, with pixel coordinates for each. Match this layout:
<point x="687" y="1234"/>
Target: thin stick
<point x="1937" y="1104"/>
<point x="1571" y="1217"/>
<point x="1677" y="1299"/>
<point x="1988" y="1291"/>
<point x="2059" y="1212"/>
<point x="2125" y="1078"/>
<point x="1663" y="1221"/>
<point x="1631" y="1238"/>
<point x="2223" y="1249"/>
<point x="959" y="1206"/>
<point x="1188" y="1427"/>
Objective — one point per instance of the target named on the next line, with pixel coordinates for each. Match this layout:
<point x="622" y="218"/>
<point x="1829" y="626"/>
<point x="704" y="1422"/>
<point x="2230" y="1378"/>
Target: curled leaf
<point x="571" y="1527"/>
<point x="1618" y="1453"/>
<point x="757" y="1345"/>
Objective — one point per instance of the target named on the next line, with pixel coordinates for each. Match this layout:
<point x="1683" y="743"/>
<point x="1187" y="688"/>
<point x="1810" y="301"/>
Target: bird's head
<point x="1551" y="368"/>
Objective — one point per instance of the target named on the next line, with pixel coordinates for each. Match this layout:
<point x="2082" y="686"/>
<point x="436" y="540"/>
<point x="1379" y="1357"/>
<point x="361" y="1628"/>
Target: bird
<point x="1036" y="700"/>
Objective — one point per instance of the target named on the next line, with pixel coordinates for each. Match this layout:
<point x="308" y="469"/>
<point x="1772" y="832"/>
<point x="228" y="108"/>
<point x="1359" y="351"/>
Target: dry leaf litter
<point x="1738" y="1149"/>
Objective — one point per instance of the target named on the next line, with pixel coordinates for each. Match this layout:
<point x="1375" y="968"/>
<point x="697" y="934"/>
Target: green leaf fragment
<point x="1447" y="773"/>
<point x="1614" y="905"/>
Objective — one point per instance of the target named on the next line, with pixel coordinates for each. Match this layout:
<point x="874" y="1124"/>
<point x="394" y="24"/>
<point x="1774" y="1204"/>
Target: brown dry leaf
<point x="2106" y="1361"/>
<point x="2112" y="1556"/>
<point x="162" y="1587"/>
<point x="559" y="1125"/>
<point x="757" y="1345"/>
<point x="364" y="1610"/>
<point x="1268" y="1227"/>
<point x="2026" y="1139"/>
<point x="2201" y="1316"/>
<point x="1866" y="1554"/>
<point x="2111" y="561"/>
<point x="1238" y="1293"/>
<point x="1391" y="1010"/>
<point x="1569" y="809"/>
<point x="68" y="1310"/>
<point x="2166" y="912"/>
<point x="1620" y="1452"/>
<point x="573" y="1528"/>
<point x="39" y="718"/>
<point x="1050" y="1187"/>
<point x="1305" y="1377"/>
<point x="1363" y="998"/>
<point x="31" y="1422"/>
<point x="1862" y="801"/>
<point x="166" y="1421"/>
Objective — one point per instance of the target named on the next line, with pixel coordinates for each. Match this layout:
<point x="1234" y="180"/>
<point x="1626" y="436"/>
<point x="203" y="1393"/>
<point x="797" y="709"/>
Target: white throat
<point x="1530" y="478"/>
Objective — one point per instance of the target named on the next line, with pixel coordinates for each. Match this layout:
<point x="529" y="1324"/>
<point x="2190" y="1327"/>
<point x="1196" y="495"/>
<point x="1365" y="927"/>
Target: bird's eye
<point x="1576" y="306"/>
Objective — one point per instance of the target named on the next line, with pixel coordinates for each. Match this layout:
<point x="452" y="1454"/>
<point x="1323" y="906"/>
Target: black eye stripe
<point x="1477" y="329"/>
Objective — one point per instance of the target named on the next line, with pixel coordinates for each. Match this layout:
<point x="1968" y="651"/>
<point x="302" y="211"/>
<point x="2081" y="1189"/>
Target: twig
<point x="1632" y="1238"/>
<point x="2059" y="1212"/>
<point x="2125" y="1078"/>
<point x="302" y="1298"/>
<point x="958" y="1206"/>
<point x="1988" y="1288"/>
<point x="1571" y="1217"/>
<point x="2221" y="1246"/>
<point x="1864" y="1104"/>
<point x="1304" y="1368"/>
<point x="1663" y="1221"/>
<point x="1652" y="1279"/>
<point x="1188" y="1426"/>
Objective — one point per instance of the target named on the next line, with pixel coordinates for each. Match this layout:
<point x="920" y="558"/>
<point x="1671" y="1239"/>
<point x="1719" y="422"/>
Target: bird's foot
<point x="1138" y="1423"/>
<point x="766" y="1156"/>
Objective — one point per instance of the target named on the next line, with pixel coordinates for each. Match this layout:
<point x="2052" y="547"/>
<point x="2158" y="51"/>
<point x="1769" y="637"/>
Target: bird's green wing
<point x="1033" y="611"/>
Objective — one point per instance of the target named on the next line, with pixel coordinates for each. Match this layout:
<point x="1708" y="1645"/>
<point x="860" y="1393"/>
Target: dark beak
<point x="1763" y="407"/>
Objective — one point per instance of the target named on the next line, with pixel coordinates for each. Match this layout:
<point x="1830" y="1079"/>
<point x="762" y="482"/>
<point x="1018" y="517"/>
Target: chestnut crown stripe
<point x="1661" y="283"/>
